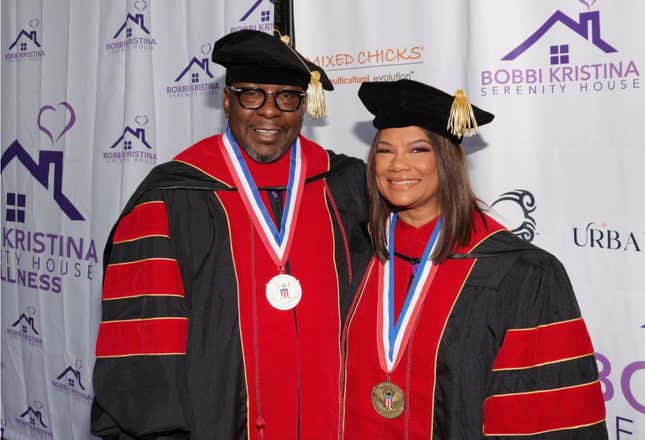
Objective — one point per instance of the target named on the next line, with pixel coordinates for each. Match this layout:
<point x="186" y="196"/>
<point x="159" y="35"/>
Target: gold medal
<point x="388" y="400"/>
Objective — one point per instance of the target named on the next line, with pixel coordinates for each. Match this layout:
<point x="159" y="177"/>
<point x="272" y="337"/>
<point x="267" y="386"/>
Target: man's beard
<point x="265" y="158"/>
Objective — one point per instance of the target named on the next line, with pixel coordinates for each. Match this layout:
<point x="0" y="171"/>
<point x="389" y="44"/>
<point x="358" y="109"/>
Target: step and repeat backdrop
<point x="562" y="164"/>
<point x="96" y="93"/>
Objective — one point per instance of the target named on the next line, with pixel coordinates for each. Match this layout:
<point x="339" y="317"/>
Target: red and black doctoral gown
<point x="189" y="346"/>
<point x="499" y="350"/>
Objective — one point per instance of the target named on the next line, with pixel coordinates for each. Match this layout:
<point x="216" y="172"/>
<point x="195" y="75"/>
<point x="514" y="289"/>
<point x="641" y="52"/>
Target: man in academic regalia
<point x="229" y="273"/>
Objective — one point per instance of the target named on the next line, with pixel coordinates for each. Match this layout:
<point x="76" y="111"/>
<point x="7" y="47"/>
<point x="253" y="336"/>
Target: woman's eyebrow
<point x="420" y="140"/>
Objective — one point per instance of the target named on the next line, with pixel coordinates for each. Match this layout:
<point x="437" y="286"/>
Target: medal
<point x="393" y="337"/>
<point x="388" y="400"/>
<point x="283" y="292"/>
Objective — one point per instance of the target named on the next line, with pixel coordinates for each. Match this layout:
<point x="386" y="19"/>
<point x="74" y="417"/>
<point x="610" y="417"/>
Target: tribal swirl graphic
<point x="526" y="201"/>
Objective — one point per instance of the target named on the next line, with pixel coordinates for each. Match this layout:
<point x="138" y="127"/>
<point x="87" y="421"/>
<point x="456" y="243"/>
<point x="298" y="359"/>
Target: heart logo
<point x="31" y="310"/>
<point x="50" y="108"/>
<point x="38" y="404"/>
<point x="588" y="3"/>
<point x="34" y="22"/>
<point x="78" y="364"/>
<point x="140" y="5"/>
<point x="141" y="120"/>
<point x="206" y="48"/>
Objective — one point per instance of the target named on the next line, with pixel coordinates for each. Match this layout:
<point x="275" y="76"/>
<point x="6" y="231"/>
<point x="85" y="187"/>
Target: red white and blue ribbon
<point x="277" y="242"/>
<point x="393" y="337"/>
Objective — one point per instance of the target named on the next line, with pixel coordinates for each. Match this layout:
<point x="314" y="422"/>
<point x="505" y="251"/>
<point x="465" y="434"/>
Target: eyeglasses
<point x="253" y="98"/>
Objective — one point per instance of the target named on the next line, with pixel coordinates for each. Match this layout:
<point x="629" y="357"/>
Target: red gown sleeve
<point x="544" y="380"/>
<point x="138" y="377"/>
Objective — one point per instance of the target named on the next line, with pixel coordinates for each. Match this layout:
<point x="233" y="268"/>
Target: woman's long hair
<point x="457" y="202"/>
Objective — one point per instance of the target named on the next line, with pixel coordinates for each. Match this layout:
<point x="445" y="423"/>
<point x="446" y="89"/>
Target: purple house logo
<point x="71" y="377"/>
<point x="130" y="138"/>
<point x="265" y="14"/>
<point x="132" y="145"/>
<point x="128" y="23"/>
<point x="596" y="68"/>
<point x="24" y="328"/>
<point x="33" y="417"/>
<point x="196" y="68"/>
<point x="33" y="421"/>
<point x="25" y="41"/>
<point x="251" y="19"/>
<point x="25" y="324"/>
<point x="69" y="381"/>
<point x="26" y="46"/>
<point x="40" y="170"/>
<point x="587" y="27"/>
<point x="132" y="32"/>
<point x="195" y="78"/>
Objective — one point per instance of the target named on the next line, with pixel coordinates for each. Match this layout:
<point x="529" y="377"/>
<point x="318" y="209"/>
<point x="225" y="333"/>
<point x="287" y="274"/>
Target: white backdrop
<point x="95" y="93"/>
<point x="563" y="163"/>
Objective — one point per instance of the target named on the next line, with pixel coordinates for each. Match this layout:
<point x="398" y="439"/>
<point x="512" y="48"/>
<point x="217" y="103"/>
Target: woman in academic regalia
<point x="460" y="330"/>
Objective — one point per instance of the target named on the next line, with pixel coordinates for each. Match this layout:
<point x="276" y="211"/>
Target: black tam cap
<point x="405" y="102"/>
<point x="258" y="57"/>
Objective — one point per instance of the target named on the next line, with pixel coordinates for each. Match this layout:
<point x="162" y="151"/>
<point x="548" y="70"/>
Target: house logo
<point x="132" y="145"/>
<point x="515" y="209"/>
<point x="27" y="46"/>
<point x="195" y="78"/>
<point x="603" y="236"/>
<point x="572" y="54"/>
<point x="70" y="381"/>
<point x="33" y="420"/>
<point x="258" y="17"/>
<point x="130" y="22"/>
<point x="24" y="328"/>
<point x="587" y="27"/>
<point x="40" y="259"/>
<point x="133" y="31"/>
<point x="49" y="162"/>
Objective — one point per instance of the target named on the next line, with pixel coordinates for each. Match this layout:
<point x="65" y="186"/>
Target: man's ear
<point x="226" y="101"/>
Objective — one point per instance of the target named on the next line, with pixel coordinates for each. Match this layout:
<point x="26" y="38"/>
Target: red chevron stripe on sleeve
<point x="148" y="219"/>
<point x="545" y="344"/>
<point x="544" y="411"/>
<point x="140" y="337"/>
<point x="152" y="276"/>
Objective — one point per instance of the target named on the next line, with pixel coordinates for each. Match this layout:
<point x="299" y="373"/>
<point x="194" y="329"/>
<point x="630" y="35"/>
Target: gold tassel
<point x="316" y="97"/>
<point x="462" y="119"/>
<point x="315" y="94"/>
